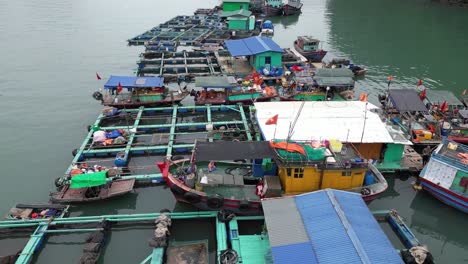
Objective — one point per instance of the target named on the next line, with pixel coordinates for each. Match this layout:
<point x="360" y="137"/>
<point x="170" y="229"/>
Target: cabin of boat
<point x="325" y="85"/>
<point x="140" y="91"/>
<point x="89" y="187"/>
<point x="293" y="7"/>
<point x="217" y="90"/>
<point x="308" y="47"/>
<point x="236" y="180"/>
<point x="446" y="175"/>
<point x="37" y="211"/>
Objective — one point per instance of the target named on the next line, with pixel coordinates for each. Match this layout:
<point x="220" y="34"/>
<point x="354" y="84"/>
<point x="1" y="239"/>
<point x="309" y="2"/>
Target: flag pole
<point x="274" y="134"/>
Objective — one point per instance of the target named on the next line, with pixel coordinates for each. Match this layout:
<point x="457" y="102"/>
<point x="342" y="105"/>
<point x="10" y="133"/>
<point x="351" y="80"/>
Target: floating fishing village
<point x="271" y="149"/>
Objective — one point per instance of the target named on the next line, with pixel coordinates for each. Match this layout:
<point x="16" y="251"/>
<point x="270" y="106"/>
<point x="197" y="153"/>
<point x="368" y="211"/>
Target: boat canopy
<point x="252" y="46"/>
<point x="267" y="24"/>
<point x="327" y="226"/>
<point x="231" y="150"/>
<point x="463" y="113"/>
<point x="88" y="180"/>
<point x="440" y="96"/>
<point x="406" y="100"/>
<point x="133" y="82"/>
<point x="227" y="82"/>
<point x="334" y="77"/>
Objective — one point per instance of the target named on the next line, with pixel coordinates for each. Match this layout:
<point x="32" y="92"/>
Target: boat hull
<point x="463" y="140"/>
<point x="165" y="102"/>
<point x="269" y="10"/>
<point x="289" y="10"/>
<point x="184" y="194"/>
<point x="312" y="56"/>
<point x="68" y="195"/>
<point x="446" y="196"/>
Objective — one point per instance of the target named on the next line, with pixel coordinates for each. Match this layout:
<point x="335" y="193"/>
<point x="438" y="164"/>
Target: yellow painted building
<point x="300" y="179"/>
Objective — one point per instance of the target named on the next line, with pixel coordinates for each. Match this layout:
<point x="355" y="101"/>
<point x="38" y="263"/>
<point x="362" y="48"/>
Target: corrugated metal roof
<point x="406" y="100"/>
<point x="439" y="96"/>
<point x="281" y="211"/>
<point x="319" y="120"/>
<point x="339" y="226"/>
<point x="251" y="46"/>
<point x="133" y="82"/>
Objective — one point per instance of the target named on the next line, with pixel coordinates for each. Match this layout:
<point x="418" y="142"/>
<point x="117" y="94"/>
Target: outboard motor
<point x="98" y="96"/>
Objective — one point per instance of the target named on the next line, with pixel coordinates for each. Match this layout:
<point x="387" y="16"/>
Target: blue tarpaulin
<point x="251" y="46"/>
<point x="133" y="82"/>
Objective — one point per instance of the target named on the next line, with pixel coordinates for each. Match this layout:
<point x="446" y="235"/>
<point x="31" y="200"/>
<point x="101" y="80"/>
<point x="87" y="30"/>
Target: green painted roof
<point x="236" y="1"/>
<point x="241" y="12"/>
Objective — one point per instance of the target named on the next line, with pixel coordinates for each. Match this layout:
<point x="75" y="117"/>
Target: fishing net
<point x="193" y="253"/>
<point x="89" y="258"/>
<point x="92" y="247"/>
<point x="96" y="237"/>
<point x="161" y="232"/>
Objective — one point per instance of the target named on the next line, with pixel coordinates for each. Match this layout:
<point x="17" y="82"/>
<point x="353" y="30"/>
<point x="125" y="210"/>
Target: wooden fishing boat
<point x="309" y="48"/>
<point x="213" y="180"/>
<point x="340" y="62"/>
<point x="325" y="85"/>
<point x="93" y="193"/>
<point x="218" y="90"/>
<point x="37" y="211"/>
<point x="293" y="7"/>
<point x="273" y="8"/>
<point x="140" y="91"/>
<point x="446" y="175"/>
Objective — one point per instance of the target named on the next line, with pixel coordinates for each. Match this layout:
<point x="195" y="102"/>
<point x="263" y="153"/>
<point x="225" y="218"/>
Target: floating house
<point x="446" y="175"/>
<point x="262" y="52"/>
<point x="326" y="226"/>
<point x="358" y="124"/>
<point x="239" y="19"/>
<point x="234" y="5"/>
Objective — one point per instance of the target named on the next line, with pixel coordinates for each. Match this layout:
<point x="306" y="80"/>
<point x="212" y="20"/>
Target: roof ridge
<point x="348" y="227"/>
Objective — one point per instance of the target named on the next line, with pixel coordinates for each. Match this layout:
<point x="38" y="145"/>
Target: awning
<point x="230" y="150"/>
<point x="133" y="82"/>
<point x="216" y="82"/>
<point x="440" y="96"/>
<point x="88" y="180"/>
<point x="406" y="100"/>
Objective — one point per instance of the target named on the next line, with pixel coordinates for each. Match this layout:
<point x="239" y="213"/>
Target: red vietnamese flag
<point x="272" y="120"/>
<point x="97" y="76"/>
<point x="423" y="93"/>
<point x="119" y="88"/>
<point x="419" y="83"/>
<point x="444" y="107"/>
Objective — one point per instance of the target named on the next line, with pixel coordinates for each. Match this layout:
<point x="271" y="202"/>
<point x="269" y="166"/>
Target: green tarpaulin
<point x="88" y="180"/>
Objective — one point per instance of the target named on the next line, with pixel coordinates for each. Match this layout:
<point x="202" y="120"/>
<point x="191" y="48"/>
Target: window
<point x="268" y="60"/>
<point x="299" y="173"/>
<point x="346" y="173"/>
<point x="288" y="172"/>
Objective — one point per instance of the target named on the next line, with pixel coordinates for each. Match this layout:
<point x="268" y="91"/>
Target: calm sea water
<point x="51" y="49"/>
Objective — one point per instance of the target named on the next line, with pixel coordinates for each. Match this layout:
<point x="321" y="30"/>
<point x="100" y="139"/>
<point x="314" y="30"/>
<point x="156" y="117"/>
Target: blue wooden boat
<point x="446" y="175"/>
<point x="139" y="91"/>
<point x="309" y="47"/>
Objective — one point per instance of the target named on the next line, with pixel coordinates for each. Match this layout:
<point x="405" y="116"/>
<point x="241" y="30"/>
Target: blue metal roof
<point x="133" y="82"/>
<point x="339" y="226"/>
<point x="251" y="46"/>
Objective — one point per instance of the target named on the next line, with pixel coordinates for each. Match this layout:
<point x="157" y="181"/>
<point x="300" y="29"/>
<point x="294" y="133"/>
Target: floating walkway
<point x="159" y="133"/>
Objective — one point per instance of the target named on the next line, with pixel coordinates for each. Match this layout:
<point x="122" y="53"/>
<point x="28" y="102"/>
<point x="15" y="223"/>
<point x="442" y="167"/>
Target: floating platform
<point x="249" y="239"/>
<point x="154" y="134"/>
<point x="173" y="65"/>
